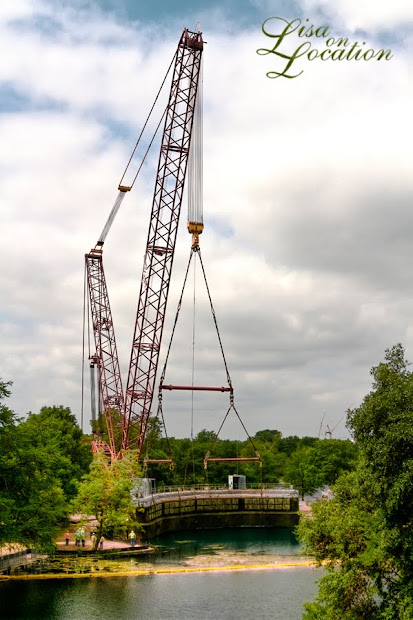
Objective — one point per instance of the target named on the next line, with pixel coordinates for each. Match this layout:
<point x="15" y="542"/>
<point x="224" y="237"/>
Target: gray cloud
<point x="307" y="221"/>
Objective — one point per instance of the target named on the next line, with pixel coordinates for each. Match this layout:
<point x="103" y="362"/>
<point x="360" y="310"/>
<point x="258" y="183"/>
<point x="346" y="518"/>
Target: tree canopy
<point x="105" y="493"/>
<point x="364" y="534"/>
<point x="57" y="428"/>
<point x="40" y="460"/>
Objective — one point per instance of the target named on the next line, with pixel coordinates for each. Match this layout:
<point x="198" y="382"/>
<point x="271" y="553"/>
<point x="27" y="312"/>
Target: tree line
<point x="47" y="470"/>
<point x="307" y="463"/>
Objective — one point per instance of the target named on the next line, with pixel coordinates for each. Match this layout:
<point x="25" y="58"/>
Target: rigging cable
<point x="147" y="150"/>
<point x="231" y="406"/>
<point x="160" y="396"/>
<point x="195" y="162"/>
<point x="123" y="189"/>
<point x="146" y="122"/>
<point x="83" y="352"/>
<point x="92" y="372"/>
<point x="193" y="373"/>
<point x="215" y="319"/>
<point x="175" y="322"/>
<point x="88" y="323"/>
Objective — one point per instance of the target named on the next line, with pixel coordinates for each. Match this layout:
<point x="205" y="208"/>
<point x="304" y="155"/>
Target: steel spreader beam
<point x="166" y="206"/>
<point x="198" y="388"/>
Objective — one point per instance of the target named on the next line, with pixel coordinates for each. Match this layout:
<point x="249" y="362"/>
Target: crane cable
<point x="160" y="402"/>
<point x="149" y="147"/>
<point x="196" y="250"/>
<point x="83" y="352"/>
<point x="193" y="374"/>
<point x="231" y="405"/>
<point x="124" y="189"/>
<point x="143" y="128"/>
<point x="86" y="313"/>
<point x="175" y="322"/>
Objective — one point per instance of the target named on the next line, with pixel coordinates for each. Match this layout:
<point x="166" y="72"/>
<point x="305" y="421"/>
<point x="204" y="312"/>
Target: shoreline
<point x="162" y="571"/>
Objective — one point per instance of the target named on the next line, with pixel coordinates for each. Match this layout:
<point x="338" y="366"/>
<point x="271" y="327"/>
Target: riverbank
<point x="160" y="571"/>
<point x="89" y="527"/>
<point x="204" y="551"/>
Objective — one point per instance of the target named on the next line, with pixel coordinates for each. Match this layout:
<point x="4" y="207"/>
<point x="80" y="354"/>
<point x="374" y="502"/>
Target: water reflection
<point x="217" y="547"/>
<point x="275" y="595"/>
<point x="279" y="541"/>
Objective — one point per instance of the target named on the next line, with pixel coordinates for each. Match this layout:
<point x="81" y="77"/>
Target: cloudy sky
<point x="307" y="201"/>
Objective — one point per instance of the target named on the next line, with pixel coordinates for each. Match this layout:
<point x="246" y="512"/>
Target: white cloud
<point x="367" y="15"/>
<point x="9" y="9"/>
<point x="307" y="224"/>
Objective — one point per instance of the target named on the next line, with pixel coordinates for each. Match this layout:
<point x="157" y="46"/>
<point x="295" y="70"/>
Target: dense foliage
<point x="310" y="468"/>
<point x="40" y="461"/>
<point x="44" y="457"/>
<point x="105" y="492"/>
<point x="364" y="535"/>
<point x="307" y="463"/>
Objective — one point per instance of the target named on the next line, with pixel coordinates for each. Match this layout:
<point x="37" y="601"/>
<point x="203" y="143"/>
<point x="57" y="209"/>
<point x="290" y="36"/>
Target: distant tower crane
<point x="131" y="409"/>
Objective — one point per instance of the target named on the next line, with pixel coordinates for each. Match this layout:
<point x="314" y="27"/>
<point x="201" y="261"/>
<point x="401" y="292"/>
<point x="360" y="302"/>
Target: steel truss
<point x="161" y="239"/>
<point x="106" y="358"/>
<point x="132" y="408"/>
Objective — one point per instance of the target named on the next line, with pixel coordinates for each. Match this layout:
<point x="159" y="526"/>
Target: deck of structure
<point x="175" y="509"/>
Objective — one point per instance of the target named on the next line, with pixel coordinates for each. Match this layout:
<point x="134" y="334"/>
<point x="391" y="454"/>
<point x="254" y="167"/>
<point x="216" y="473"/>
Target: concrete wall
<point x="205" y="513"/>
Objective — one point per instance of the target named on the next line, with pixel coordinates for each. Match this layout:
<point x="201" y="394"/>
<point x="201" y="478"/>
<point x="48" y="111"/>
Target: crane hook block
<point x="195" y="227"/>
<point x="124" y="188"/>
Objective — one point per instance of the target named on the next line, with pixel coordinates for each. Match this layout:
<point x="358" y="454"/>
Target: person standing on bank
<point x="132" y="537"/>
<point x="67" y="538"/>
<point x="101" y="541"/>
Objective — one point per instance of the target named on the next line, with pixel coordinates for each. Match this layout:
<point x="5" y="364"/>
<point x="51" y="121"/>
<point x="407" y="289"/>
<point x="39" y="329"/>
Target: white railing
<point x="211" y="490"/>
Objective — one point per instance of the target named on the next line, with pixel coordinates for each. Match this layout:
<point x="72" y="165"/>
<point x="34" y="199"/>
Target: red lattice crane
<point x="132" y="408"/>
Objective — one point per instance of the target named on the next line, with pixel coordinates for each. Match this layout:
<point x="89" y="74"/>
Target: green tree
<point x="311" y="468"/>
<point x="301" y="472"/>
<point x="32" y="502"/>
<point x="289" y="444"/>
<point x="57" y="428"/>
<point x="331" y="457"/>
<point x="106" y="493"/>
<point x="268" y="436"/>
<point x="364" y="535"/>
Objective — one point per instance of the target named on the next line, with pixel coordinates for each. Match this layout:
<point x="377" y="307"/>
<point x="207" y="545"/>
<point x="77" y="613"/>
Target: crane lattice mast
<point x="160" y="245"/>
<point x="106" y="356"/>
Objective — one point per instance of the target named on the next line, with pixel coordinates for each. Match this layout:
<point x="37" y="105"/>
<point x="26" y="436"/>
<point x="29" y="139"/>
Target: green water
<point x="228" y="546"/>
<point x="280" y="541"/>
<point x="224" y="595"/>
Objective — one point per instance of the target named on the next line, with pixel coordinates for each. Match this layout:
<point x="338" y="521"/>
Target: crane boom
<point x="106" y="356"/>
<point x="160" y="245"/>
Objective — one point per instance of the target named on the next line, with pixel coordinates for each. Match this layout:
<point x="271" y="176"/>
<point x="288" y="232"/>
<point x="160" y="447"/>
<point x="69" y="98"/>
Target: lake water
<point x="276" y="594"/>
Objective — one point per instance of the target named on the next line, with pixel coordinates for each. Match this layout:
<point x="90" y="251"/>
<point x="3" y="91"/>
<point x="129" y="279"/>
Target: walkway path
<point x="74" y="525"/>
